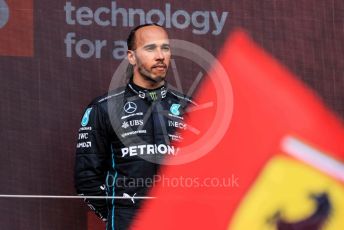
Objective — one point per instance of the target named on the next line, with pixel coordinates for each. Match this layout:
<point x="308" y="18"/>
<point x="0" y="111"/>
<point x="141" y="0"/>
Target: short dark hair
<point x="131" y="37"/>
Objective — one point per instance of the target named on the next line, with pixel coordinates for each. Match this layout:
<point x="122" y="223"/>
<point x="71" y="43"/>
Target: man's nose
<point x="159" y="54"/>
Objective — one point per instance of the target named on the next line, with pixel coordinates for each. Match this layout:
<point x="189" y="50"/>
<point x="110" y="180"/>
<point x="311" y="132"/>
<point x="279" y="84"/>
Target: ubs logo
<point x="16" y="28"/>
<point x="4" y="13"/>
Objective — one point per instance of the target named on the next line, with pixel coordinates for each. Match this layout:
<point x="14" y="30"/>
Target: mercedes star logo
<point x="130" y="107"/>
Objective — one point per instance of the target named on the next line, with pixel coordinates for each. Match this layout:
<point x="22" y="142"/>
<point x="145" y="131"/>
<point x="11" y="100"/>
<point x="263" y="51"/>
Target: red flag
<point x="274" y="115"/>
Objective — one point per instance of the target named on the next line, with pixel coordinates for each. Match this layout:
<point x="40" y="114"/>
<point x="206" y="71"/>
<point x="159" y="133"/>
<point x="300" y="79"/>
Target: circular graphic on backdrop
<point x="4" y="13"/>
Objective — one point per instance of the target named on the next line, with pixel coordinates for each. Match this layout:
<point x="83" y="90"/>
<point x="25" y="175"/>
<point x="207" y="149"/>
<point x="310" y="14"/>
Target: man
<point x="125" y="134"/>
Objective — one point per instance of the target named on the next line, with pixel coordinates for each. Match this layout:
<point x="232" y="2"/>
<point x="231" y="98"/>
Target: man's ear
<point x="131" y="57"/>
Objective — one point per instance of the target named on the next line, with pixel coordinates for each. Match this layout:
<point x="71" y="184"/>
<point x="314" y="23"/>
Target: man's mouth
<point x="160" y="67"/>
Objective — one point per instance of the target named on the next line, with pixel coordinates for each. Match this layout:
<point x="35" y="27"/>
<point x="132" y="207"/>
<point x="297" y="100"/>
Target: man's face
<point x="152" y="55"/>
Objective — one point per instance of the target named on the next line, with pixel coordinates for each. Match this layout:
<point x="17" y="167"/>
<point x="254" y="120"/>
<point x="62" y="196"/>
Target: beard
<point x="148" y="75"/>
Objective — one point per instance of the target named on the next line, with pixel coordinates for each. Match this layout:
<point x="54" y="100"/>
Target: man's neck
<point x="147" y="84"/>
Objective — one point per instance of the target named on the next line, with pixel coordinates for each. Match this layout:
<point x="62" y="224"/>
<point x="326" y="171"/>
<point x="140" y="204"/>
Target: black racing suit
<point x="123" y="137"/>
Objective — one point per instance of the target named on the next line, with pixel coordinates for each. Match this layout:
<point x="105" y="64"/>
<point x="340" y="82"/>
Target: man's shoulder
<point x="111" y="95"/>
<point x="181" y="97"/>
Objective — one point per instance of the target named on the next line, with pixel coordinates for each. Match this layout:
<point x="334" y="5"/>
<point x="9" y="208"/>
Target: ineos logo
<point x="4" y="13"/>
<point x="130" y="107"/>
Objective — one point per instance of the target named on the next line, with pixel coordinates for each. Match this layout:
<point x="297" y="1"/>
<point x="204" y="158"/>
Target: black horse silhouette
<point x="313" y="222"/>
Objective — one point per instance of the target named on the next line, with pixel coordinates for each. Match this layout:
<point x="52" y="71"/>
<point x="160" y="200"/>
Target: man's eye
<point x="166" y="48"/>
<point x="149" y="48"/>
